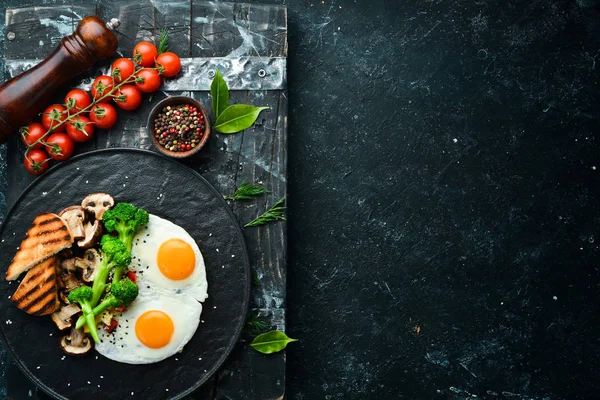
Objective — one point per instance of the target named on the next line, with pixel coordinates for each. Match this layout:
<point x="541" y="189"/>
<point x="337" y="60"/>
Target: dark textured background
<point x="443" y="199"/>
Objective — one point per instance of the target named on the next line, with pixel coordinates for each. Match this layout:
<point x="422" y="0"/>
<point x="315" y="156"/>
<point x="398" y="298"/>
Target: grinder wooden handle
<point x="27" y="94"/>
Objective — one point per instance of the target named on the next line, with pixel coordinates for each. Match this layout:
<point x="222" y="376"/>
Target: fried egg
<point x="166" y="258"/>
<point x="151" y="329"/>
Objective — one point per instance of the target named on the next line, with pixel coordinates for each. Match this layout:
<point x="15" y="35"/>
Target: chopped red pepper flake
<point x="131" y="276"/>
<point x="113" y="325"/>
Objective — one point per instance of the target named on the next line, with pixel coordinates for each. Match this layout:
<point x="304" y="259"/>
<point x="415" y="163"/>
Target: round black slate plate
<point x="165" y="188"/>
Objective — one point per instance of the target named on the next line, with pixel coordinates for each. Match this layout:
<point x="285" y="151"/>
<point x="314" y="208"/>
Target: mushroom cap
<point x="98" y="203"/>
<point x="75" y="217"/>
<point x="63" y="317"/>
<point x="87" y="264"/>
<point x="76" y="343"/>
<point x="93" y="232"/>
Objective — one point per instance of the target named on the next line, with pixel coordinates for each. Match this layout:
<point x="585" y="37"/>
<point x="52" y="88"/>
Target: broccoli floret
<point x="83" y="296"/>
<point x="113" y="255"/>
<point x="121" y="294"/>
<point x="125" y="219"/>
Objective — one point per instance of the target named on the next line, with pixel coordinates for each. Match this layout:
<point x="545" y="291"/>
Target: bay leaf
<point x="220" y="94"/>
<point x="271" y="342"/>
<point x="237" y="117"/>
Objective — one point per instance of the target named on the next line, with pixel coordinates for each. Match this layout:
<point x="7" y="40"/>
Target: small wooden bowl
<point x="174" y="101"/>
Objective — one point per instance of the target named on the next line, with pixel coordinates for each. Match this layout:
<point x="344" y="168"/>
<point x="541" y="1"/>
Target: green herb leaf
<point x="219" y="93"/>
<point x="276" y="212"/>
<point x="255" y="278"/>
<point x="255" y="326"/>
<point x="237" y="117"/>
<point x="271" y="342"/>
<point x="247" y="191"/>
<point x="163" y="41"/>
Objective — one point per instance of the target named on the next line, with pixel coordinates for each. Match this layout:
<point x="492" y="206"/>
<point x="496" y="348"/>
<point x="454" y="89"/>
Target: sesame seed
<point x="89" y="383"/>
<point x="233" y="256"/>
<point x="39" y="366"/>
<point x="101" y="376"/>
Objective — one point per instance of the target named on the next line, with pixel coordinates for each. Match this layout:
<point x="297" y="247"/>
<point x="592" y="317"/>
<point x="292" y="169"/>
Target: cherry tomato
<point x="144" y="54"/>
<point x="122" y="69"/>
<point x="129" y="97"/>
<point x="77" y="100"/>
<point x="103" y="115"/>
<point x="52" y="116"/>
<point x="60" y="146"/>
<point x="170" y="63"/>
<point x="102" y="85"/>
<point x="148" y="80"/>
<point x="36" y="161"/>
<point x="80" y="129"/>
<point x="31" y="133"/>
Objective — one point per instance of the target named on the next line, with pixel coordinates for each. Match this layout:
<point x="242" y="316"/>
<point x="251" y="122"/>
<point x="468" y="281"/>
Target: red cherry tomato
<point x="36" y="161"/>
<point x="170" y="63"/>
<point x="103" y="115"/>
<point x="129" y="97"/>
<point x="60" y="146"/>
<point x="31" y="133"/>
<point x="54" y="115"/>
<point x="122" y="69"/>
<point x="148" y="80"/>
<point x="80" y="129"/>
<point x="144" y="54"/>
<point x="77" y="100"/>
<point x="102" y="85"/>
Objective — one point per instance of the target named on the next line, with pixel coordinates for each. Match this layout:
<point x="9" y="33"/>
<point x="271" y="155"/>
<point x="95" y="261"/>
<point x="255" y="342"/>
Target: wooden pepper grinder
<point x="27" y="94"/>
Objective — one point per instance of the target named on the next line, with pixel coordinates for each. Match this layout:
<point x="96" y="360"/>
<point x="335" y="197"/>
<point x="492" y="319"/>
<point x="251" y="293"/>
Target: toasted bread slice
<point x="38" y="293"/>
<point x="48" y="235"/>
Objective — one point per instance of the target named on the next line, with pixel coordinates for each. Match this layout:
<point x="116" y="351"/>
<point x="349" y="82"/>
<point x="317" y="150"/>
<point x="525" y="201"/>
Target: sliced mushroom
<point x="69" y="280"/>
<point x="92" y="257"/>
<point x="75" y="217"/>
<point x="76" y="343"/>
<point x="63" y="295"/>
<point x="93" y="231"/>
<point x="63" y="317"/>
<point x="87" y="264"/>
<point x="98" y="203"/>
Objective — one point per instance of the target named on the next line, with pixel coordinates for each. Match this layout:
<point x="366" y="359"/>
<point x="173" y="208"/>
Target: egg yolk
<point x="176" y="259"/>
<point x="154" y="329"/>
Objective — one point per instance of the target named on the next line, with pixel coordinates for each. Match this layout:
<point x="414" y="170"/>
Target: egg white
<point x="122" y="345"/>
<point x="144" y="252"/>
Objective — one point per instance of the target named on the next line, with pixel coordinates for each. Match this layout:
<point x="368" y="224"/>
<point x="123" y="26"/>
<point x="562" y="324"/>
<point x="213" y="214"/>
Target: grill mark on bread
<point x="37" y="294"/>
<point x="46" y="221"/>
<point x="56" y="240"/>
<point x="40" y="298"/>
<point x="45" y="308"/>
<point x="49" y="231"/>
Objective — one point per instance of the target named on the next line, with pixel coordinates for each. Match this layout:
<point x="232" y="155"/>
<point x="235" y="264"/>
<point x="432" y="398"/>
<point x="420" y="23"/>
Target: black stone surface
<point x="443" y="191"/>
<point x="171" y="194"/>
